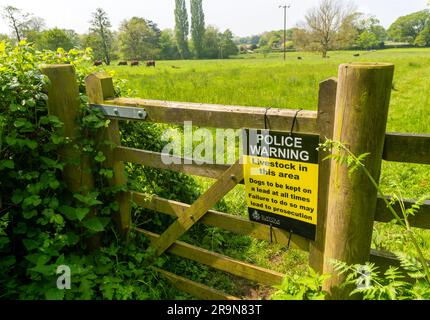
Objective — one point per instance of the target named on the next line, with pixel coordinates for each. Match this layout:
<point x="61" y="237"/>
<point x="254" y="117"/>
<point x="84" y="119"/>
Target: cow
<point x="299" y="58"/>
<point x="150" y="63"/>
<point x="98" y="63"/>
<point x="123" y="63"/>
<point x="356" y="55"/>
<point x="134" y="63"/>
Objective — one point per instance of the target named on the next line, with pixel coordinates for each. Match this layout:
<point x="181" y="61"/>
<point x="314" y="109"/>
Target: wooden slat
<point x="195" y="289"/>
<point x="326" y="114"/>
<point x="221" y="116"/>
<point x="384" y="259"/>
<point x="198" y="209"/>
<point x="420" y="220"/>
<point x="237" y="225"/>
<point x="220" y="262"/>
<point x="155" y="160"/>
<point x="410" y="148"/>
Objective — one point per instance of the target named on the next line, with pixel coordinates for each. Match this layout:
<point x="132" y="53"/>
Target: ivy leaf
<point x="96" y="224"/>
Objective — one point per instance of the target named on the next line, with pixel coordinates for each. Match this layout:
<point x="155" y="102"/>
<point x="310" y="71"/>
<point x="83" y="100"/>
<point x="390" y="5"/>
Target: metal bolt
<point x="140" y="114"/>
<point x="116" y="111"/>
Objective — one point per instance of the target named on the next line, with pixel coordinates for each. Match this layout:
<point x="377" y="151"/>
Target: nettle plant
<point x="393" y="283"/>
<point x="42" y="224"/>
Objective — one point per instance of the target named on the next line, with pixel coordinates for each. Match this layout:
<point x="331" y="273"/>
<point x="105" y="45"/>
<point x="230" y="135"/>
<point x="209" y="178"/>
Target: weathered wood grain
<point x="221" y="116"/>
<point x="220" y="262"/>
<point x="216" y="192"/>
<point x="235" y="224"/>
<point x="195" y="289"/>
<point x="409" y="148"/>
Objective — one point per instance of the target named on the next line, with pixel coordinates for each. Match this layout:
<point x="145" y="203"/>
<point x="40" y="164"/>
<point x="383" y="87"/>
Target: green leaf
<point x="29" y="214"/>
<point x="69" y="213"/>
<point x="30" y="244"/>
<point x="54" y="294"/>
<point x="18" y="196"/>
<point x="96" y="224"/>
<point x="100" y="157"/>
<point x="106" y="173"/>
<point x="90" y="199"/>
<point x="56" y="139"/>
<point x="58" y="219"/>
<point x="81" y="213"/>
<point x="33" y="200"/>
<point x="8" y="164"/>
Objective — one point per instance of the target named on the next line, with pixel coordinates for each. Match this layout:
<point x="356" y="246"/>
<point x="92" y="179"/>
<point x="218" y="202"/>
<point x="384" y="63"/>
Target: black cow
<point x="150" y="63"/>
<point x="98" y="63"/>
<point x="134" y="63"/>
<point x="123" y="63"/>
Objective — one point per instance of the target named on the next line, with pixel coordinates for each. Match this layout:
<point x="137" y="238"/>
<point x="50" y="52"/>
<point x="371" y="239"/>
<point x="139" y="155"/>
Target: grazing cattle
<point x="356" y="55"/>
<point x="123" y="63"/>
<point x="150" y="63"/>
<point x="134" y="63"/>
<point x="98" y="63"/>
<point x="299" y="58"/>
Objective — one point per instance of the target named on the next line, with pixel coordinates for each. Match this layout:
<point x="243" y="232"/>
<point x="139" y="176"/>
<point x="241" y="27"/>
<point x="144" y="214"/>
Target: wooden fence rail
<point x="327" y="121"/>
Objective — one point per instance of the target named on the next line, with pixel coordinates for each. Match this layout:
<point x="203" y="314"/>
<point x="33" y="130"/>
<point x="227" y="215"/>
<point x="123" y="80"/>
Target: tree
<point x="327" y="27"/>
<point x="197" y="27"/>
<point x="212" y="43"/>
<point x="100" y="26"/>
<point x="4" y="37"/>
<point x="227" y="45"/>
<point x="371" y="34"/>
<point x="168" y="48"/>
<point x="367" y="40"/>
<point x="423" y="39"/>
<point x="21" y="22"/>
<point x="181" y="28"/>
<point x="55" y="38"/>
<point x="407" y="28"/>
<point x="139" y="39"/>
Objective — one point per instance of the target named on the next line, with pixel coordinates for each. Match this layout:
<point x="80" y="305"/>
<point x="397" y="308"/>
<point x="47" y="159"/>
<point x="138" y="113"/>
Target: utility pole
<point x="285" y="7"/>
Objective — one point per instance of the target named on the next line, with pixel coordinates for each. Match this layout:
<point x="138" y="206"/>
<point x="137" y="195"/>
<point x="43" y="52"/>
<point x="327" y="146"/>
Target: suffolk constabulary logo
<point x="256" y="216"/>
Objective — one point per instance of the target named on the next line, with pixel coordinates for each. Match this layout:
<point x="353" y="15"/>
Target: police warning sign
<point x="281" y="180"/>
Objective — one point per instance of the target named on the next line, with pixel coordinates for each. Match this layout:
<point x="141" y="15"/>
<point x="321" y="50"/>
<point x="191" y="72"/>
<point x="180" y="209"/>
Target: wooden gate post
<point x="64" y="103"/>
<point x="362" y="102"/>
<point x="99" y="87"/>
<point x="326" y="114"/>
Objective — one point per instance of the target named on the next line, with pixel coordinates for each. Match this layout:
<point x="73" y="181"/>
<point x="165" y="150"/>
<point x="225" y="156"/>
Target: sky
<point x="243" y="17"/>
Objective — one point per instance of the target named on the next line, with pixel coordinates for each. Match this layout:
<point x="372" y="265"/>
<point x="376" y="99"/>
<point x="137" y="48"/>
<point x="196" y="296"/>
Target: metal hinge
<point x="122" y="113"/>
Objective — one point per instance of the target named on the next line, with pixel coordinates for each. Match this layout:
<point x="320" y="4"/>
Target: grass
<point x="253" y="80"/>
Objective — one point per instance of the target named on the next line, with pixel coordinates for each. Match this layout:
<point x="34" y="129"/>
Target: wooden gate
<point x="397" y="148"/>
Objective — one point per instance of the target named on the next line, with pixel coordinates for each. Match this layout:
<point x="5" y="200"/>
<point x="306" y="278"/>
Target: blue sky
<point x="243" y="17"/>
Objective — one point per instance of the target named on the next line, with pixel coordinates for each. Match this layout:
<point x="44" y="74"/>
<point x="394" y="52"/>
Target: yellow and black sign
<point x="281" y="180"/>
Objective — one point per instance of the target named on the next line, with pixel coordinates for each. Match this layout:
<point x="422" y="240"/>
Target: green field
<point x="270" y="82"/>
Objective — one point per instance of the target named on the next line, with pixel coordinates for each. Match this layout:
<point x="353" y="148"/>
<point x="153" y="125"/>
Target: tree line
<point x="336" y="25"/>
<point x="136" y="39"/>
<point x="332" y="25"/>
